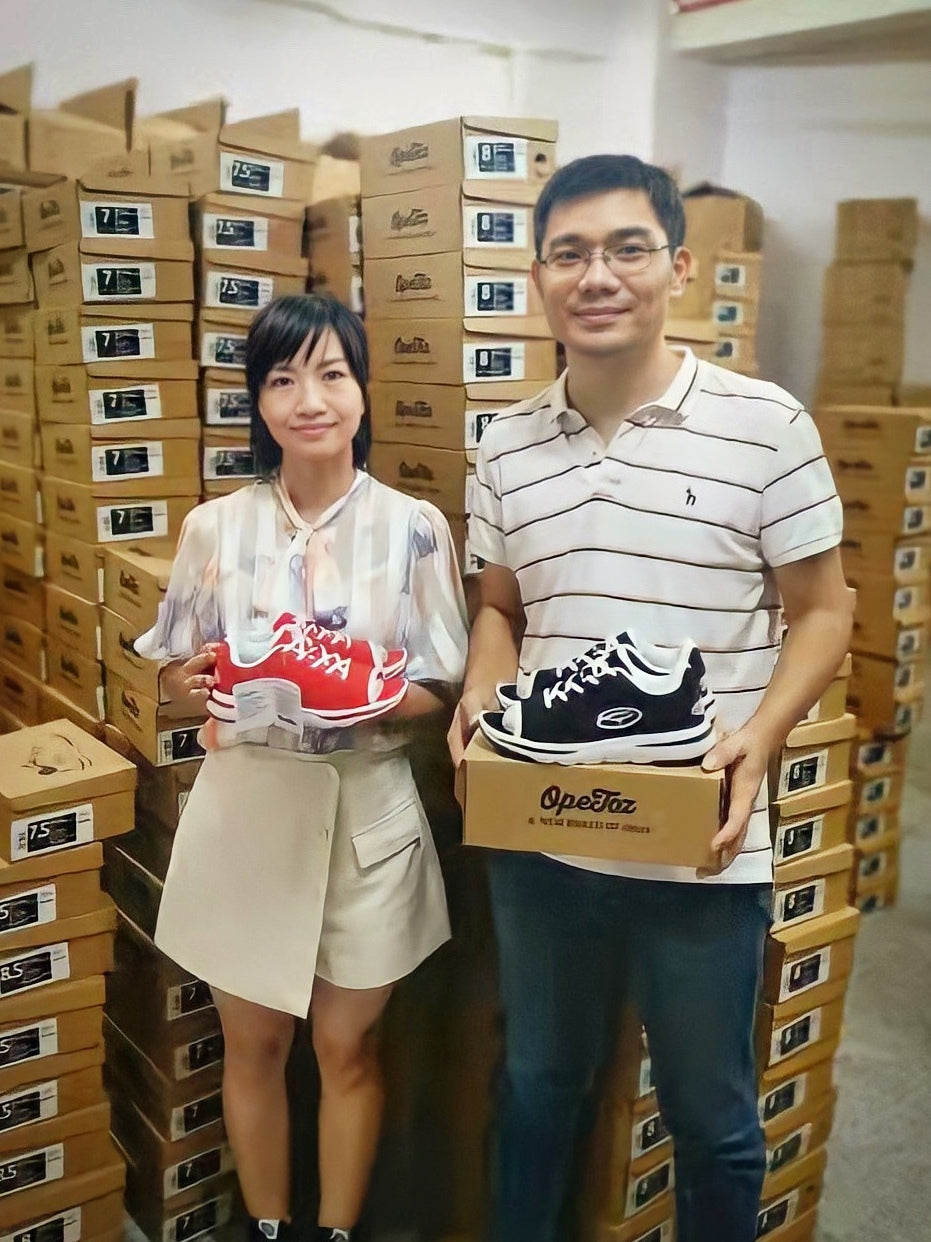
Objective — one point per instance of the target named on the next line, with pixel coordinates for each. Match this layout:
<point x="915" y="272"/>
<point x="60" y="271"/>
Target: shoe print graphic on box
<point x="613" y="709"/>
<point x="289" y="679"/>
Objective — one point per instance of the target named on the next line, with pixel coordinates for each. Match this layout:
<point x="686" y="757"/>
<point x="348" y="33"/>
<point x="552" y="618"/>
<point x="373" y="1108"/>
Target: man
<point x="649" y="492"/>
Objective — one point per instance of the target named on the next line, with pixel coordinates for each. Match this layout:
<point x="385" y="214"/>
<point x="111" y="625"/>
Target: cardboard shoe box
<point x="813" y="755"/>
<point x="53" y="1031"/>
<point x="84" y="947"/>
<point x="22" y="546"/>
<point x="240" y="292"/>
<point x="877" y="228"/>
<point x="134" y="585"/>
<point x="875" y="755"/>
<point x="35" y="1172"/>
<point x="60" y="787"/>
<point x="166" y="1168"/>
<point x="800" y="959"/>
<point x="17" y="385"/>
<point x="22" y="596"/>
<point x="811" y="885"/>
<point x="163" y="792"/>
<point x="877" y="793"/>
<point x="442" y="351"/>
<point x="77" y="272"/>
<point x="120" y="657"/>
<point x="872" y="293"/>
<point x="806" y="823"/>
<point x="19" y="694"/>
<point x="23" y="645"/>
<point x="124" y="461"/>
<point x="16" y="283"/>
<point x="17" y="331"/>
<point x="182" y="144"/>
<point x="885" y="694"/>
<point x="19" y="494"/>
<point x="226" y="400"/>
<point x="73" y="621"/>
<point x="77" y="677"/>
<point x="908" y="560"/>
<point x="36" y="893"/>
<point x="156" y="732"/>
<point x="88" y="1206"/>
<point x="124" y="339"/>
<point x="244" y="231"/>
<point x="74" y="565"/>
<point x="876" y="826"/>
<point x="19" y="439"/>
<point x="784" y="1100"/>
<point x="221" y="341"/>
<point x="88" y="513"/>
<point x="860" y="354"/>
<point x="264" y="157"/>
<point x="782" y="1031"/>
<point x="93" y="395"/>
<point x="622" y="811"/>
<point x="444" y="416"/>
<point x="439" y="475"/>
<point x="34" y="1102"/>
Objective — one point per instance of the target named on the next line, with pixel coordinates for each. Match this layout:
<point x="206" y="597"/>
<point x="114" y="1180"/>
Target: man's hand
<point x="465" y="721"/>
<point x="746" y="754"/>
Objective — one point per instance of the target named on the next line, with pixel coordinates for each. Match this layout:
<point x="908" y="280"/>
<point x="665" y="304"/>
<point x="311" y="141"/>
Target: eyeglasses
<point x="624" y="259"/>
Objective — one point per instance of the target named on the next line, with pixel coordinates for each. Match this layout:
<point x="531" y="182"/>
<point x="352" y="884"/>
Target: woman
<point x="303" y="877"/>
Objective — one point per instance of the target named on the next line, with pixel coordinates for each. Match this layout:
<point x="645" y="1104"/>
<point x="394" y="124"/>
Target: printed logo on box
<point x="117" y="220"/>
<point x="113" y="405"/>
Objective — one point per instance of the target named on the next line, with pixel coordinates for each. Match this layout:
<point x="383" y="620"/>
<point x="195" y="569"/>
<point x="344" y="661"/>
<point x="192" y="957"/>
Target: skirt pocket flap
<point x="388" y="836"/>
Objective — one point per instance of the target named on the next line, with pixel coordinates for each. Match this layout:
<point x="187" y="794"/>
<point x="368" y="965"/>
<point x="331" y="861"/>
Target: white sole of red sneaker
<point x="683" y="746"/>
<point x="273" y="701"/>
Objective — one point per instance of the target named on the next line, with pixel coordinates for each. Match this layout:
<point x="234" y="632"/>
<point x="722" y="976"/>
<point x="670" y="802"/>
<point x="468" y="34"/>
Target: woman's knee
<point x="256" y="1046"/>
<point x="344" y="1056"/>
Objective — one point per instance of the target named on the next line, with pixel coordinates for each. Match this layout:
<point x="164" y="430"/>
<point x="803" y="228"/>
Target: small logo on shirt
<point x="689" y="497"/>
<point x="618" y="718"/>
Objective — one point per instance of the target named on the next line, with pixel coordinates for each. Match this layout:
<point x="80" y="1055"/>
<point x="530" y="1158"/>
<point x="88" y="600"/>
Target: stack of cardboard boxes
<point x="863" y="313"/>
<point x="334" y="249"/>
<point x="61" y="793"/>
<point x="455" y="327"/>
<point x="718" y="311"/>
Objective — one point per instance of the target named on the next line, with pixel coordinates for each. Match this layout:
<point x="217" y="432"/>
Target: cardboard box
<point x="123" y="460"/>
<point x="17" y="331"/>
<point x="859" y="354"/>
<point x="265" y="157"/>
<point x="92" y="395"/>
<point x="831" y="705"/>
<point x="56" y="706"/>
<point x="51" y="1031"/>
<point x="806" y="823"/>
<point x="810" y="886"/>
<point x="813" y="755"/>
<point x="19" y="440"/>
<point x="334" y="273"/>
<point x="73" y="621"/>
<point x="226" y="400"/>
<point x="247" y="231"/>
<point x="72" y="1155"/>
<point x="901" y="483"/>
<point x="878" y="434"/>
<point x="83" y="130"/>
<point x="622" y="811"/>
<point x="783" y="1030"/>
<point x="483" y="149"/>
<point x="14" y="184"/>
<point x="439" y="475"/>
<point x="885" y="694"/>
<point x="867" y="293"/>
<point x="874" y="827"/>
<point x="17" y="386"/>
<point x="118" y="338"/>
<point x="440" y="286"/>
<point x="75" y="272"/>
<point x="800" y="958"/>
<point x="228" y="459"/>
<point x="443" y="351"/>
<point x="35" y="1102"/>
<point x="489" y="229"/>
<point x="134" y="585"/>
<point x="75" y="565"/>
<point x="163" y="792"/>
<point x="16" y="284"/>
<point x="19" y="495"/>
<point x="83" y="955"/>
<point x="86" y="512"/>
<point x="98" y="1194"/>
<point x="656" y="1223"/>
<point x="23" y="644"/>
<point x="444" y="416"/>
<point x="22" y="546"/>
<point x="29" y="905"/>
<point x="15" y="102"/>
<point x="117" y="210"/>
<point x="787" y="1150"/>
<point x="220" y="342"/>
<point x="721" y="219"/>
<point x="876" y="862"/>
<point x="158" y="734"/>
<point x="726" y="276"/>
<point x="76" y="677"/>
<point x="877" y="228"/>
<point x="239" y="291"/>
<point x="334" y="225"/>
<point x="880" y="634"/>
<point x="166" y="1168"/>
<point x="877" y="896"/>
<point x="194" y="1062"/>
<point x="785" y="1100"/>
<point x="22" y="596"/>
<point x="908" y="560"/>
<point x="45" y="1130"/>
<point x="831" y="393"/>
<point x="880" y="597"/>
<point x="19" y="694"/>
<point x="60" y="787"/>
<point x="182" y="144"/>
<point x="875" y="755"/>
<point x="876" y="793"/>
<point x="120" y="656"/>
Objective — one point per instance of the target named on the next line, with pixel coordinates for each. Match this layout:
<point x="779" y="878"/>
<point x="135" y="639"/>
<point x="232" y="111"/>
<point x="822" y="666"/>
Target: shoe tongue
<point x="286" y="618"/>
<point x="511" y="718"/>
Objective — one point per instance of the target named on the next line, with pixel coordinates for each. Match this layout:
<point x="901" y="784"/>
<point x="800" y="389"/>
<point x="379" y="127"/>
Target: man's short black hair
<point x="597" y="174"/>
<point x="276" y="334"/>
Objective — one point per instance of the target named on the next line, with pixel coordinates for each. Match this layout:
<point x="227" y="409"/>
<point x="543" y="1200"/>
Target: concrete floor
<point x="878" y="1181"/>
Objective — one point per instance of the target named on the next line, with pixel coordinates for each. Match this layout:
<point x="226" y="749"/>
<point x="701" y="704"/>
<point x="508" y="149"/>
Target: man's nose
<point x="597" y="274"/>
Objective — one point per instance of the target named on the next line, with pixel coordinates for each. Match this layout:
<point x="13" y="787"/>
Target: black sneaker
<point x="645" y="656"/>
<point x="612" y="711"/>
<point x="325" y="1234"/>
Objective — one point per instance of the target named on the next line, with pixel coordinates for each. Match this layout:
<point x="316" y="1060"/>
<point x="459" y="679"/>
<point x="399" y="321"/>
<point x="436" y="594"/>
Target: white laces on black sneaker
<point x="598" y="667"/>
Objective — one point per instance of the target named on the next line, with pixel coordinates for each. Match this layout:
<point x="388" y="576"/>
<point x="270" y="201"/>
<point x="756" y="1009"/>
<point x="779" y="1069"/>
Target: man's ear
<point x="535" y="269"/>
<point x="681" y="267"/>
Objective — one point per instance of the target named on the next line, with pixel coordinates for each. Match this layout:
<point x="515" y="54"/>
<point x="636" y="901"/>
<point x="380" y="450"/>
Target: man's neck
<point x="605" y="391"/>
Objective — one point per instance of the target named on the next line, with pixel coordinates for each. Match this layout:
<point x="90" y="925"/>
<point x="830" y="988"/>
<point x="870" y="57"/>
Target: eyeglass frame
<point x="592" y="254"/>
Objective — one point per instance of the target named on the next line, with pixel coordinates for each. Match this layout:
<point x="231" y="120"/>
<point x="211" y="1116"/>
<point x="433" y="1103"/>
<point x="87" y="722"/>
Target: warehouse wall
<point x="798" y="140"/>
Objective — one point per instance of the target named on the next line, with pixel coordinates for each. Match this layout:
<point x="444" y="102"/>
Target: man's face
<point x="598" y="312"/>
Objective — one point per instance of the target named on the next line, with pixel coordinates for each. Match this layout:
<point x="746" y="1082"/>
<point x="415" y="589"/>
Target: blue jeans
<point x="569" y="942"/>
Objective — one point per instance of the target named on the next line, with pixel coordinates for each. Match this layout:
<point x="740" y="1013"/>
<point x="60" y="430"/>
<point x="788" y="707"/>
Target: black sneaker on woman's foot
<point x="325" y="1234"/>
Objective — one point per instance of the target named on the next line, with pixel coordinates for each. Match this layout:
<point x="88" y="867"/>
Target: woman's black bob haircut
<point x="275" y="337"/>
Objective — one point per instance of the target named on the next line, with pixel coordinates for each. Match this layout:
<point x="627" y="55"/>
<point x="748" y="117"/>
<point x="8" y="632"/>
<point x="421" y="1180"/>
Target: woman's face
<point x="313" y="406"/>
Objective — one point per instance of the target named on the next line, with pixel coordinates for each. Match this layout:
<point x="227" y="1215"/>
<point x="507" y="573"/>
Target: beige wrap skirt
<point x="287" y="866"/>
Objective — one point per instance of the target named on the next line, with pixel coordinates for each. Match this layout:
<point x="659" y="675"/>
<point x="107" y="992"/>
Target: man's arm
<point x="493" y="644"/>
<point x="818" y="609"/>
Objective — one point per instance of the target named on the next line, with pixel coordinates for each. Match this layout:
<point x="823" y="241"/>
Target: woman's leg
<point x="255" y="1104"/>
<point x="351" y="1095"/>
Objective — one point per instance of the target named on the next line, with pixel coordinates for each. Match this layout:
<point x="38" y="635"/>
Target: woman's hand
<point x="186" y="683"/>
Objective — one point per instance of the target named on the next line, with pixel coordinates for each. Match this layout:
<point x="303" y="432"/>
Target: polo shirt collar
<point x="678" y="397"/>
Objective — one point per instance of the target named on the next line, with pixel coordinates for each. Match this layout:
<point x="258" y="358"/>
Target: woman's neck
<point x="314" y="486"/>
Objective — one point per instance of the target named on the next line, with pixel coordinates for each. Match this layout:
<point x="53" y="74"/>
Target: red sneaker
<point x="390" y="662"/>
<point x="296" y="681"/>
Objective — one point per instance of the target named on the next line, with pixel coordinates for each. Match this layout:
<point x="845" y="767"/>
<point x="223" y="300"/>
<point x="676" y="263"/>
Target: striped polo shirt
<point x="671" y="531"/>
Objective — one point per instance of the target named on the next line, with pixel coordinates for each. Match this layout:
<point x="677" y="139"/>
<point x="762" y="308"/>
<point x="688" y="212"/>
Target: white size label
<point x="130" y="404"/>
<point x="42" y="833"/>
<point x="909" y="643"/>
<point x="500" y="226"/>
<point x="923" y="440"/>
<point x="876" y="754"/>
<point x="494" y="157"/>
<point x="915" y="519"/>
<point x="777" y="1214"/>
<point x="355" y="234"/>
<point x="800" y="974"/>
<point x="117" y="220"/>
<point x="234" y="232"/>
<point x="233" y="461"/>
<point x="65" y="1227"/>
<point x="872" y="866"/>
<point x="118" y="282"/>
<point x="34" y="968"/>
<point x="906" y="560"/>
<point x="875" y="792"/>
<point x="227" y="407"/>
<point x="805" y="772"/>
<point x="140" y="521"/>
<point x="223" y="349"/>
<point x="178" y="745"/>
<point x="794" y="905"/>
<point x="800" y="836"/>
<point x="487" y="363"/>
<point x="798" y="1033"/>
<point x="730" y="277"/>
<point x="645" y="1078"/>
<point x="728" y="314"/>
<point x="197" y="1055"/>
<point x="476" y="422"/>
<point x="126" y="461"/>
<point x="251" y="174"/>
<point x="790" y="1147"/>
<point x="198" y="1220"/>
<point x="238" y="292"/>
<point x="29" y="1043"/>
<point x="869" y="827"/>
<point x="34" y="1103"/>
<point x="32" y="1168"/>
<point x="187" y="1173"/>
<point x="499" y="295"/>
<point x="30" y="908"/>
<point x="648" y="1134"/>
<point x="193" y="1116"/>
<point x="644" y="1189"/>
<point x="787" y="1096"/>
<point x="356" y="296"/>
<point x="118" y="342"/>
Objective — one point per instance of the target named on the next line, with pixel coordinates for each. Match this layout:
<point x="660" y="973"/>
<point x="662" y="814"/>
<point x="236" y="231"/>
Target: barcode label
<point x="235" y="233"/>
<point x="118" y="522"/>
<point x="120" y="461"/>
<point x="118" y="341"/>
<point x="56" y="830"/>
<point x="239" y="292"/>
<point x="251" y="175"/>
<point x="117" y="220"/>
<point x="493" y="362"/>
<point x="111" y="283"/>
<point x="28" y="909"/>
<point x="497" y="159"/>
<point x="505" y="226"/>
<point x="501" y="296"/>
<point x="114" y="405"/>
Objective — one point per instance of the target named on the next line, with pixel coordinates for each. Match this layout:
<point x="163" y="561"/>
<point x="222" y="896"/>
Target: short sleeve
<point x="189" y="615"/>
<point x="437" y="637"/>
<point x="801" y="514"/>
<point x="486" y="533"/>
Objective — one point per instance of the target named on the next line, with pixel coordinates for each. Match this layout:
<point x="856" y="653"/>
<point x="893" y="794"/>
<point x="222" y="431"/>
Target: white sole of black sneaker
<point x="683" y="746"/>
<point x="273" y="701"/>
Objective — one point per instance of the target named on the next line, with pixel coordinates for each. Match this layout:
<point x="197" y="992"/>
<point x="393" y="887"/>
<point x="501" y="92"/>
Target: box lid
<point x="206" y="117"/>
<point x="814" y="866"/>
<point x="16" y="89"/>
<point x="822" y="798"/>
<point x="277" y="133"/>
<point x="838" y="925"/>
<point x="818" y="732"/>
<point x="87" y="857"/>
<point x="48" y="764"/>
